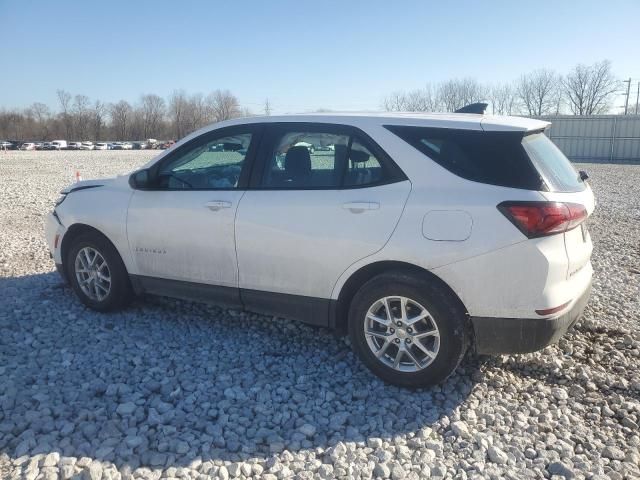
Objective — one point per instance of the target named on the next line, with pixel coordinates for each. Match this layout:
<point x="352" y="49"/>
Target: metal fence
<point x="597" y="138"/>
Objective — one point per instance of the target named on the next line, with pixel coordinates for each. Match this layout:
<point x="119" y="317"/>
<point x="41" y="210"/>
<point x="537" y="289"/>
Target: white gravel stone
<point x="164" y="388"/>
<point x="496" y="455"/>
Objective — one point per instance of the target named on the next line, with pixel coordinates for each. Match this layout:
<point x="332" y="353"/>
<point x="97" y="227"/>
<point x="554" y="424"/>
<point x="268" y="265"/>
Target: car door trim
<point x="310" y="310"/>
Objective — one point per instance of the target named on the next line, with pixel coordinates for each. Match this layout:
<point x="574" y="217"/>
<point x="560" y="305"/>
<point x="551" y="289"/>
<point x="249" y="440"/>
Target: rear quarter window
<point x="495" y="158"/>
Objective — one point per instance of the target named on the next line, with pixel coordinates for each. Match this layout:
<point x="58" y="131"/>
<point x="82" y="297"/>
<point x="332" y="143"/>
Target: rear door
<point x="322" y="197"/>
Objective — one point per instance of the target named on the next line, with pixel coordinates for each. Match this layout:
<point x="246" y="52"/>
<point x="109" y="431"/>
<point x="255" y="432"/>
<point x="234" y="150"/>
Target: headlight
<point x="61" y="199"/>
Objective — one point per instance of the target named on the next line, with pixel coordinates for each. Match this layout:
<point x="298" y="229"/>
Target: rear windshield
<point x="506" y="159"/>
<point x="555" y="168"/>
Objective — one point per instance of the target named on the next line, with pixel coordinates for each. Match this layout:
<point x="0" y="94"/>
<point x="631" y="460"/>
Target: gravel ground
<point x="176" y="389"/>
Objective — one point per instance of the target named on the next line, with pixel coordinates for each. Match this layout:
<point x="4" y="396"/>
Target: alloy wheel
<point x="401" y="333"/>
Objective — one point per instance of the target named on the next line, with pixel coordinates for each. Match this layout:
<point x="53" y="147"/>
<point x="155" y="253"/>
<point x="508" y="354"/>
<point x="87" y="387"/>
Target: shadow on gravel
<point x="167" y="383"/>
<point x="592" y="338"/>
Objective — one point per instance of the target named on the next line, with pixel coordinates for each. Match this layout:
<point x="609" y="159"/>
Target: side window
<point x="306" y="160"/>
<point x="363" y="167"/>
<point x="213" y="164"/>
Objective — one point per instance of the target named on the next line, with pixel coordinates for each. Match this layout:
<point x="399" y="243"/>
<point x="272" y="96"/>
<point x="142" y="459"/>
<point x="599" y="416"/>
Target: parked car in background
<point x="142" y="145"/>
<point x="116" y="146"/>
<point x="74" y="145"/>
<point x="5" y="145"/>
<point x="165" y="145"/>
<point x="28" y="146"/>
<point x="46" y="146"/>
<point x="420" y="235"/>
<point x="58" y="145"/>
<point x="127" y="146"/>
<point x="86" y="146"/>
<point x="101" y="146"/>
<point x="39" y="145"/>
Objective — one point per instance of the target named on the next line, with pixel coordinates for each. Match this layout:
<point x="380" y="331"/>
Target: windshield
<point x="553" y="166"/>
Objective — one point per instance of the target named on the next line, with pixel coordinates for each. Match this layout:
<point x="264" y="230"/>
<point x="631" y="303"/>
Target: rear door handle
<point x="216" y="205"/>
<point x="359" y="207"/>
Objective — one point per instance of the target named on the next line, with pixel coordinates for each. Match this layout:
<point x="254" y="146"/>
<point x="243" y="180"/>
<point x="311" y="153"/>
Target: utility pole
<point x="626" y="102"/>
<point x="637" y="96"/>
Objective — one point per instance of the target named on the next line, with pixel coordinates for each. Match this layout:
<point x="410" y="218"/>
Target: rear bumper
<point x="525" y="335"/>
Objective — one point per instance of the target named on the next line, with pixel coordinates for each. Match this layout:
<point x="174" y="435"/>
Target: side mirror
<point x="583" y="175"/>
<point x="140" y="180"/>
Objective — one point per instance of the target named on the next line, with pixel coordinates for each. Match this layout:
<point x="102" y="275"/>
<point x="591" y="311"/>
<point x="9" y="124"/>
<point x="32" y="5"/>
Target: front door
<point x="182" y="228"/>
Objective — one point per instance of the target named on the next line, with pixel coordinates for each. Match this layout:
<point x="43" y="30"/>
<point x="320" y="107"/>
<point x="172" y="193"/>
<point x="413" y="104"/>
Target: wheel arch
<point x="73" y="232"/>
<point x="339" y="313"/>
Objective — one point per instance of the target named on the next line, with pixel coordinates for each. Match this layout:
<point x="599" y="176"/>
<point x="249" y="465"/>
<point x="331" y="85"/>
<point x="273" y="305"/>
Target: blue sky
<point x="342" y="55"/>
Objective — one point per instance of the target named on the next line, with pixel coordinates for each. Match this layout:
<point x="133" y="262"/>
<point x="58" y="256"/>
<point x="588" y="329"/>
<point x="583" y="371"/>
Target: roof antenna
<point x="473" y="108"/>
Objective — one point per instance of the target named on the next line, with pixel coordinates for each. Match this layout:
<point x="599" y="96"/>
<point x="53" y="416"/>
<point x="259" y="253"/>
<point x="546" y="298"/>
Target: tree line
<point x="584" y="90"/>
<point x="79" y="118"/>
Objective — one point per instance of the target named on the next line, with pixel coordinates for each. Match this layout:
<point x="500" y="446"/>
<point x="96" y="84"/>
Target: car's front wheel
<point x="407" y="330"/>
<point x="97" y="274"/>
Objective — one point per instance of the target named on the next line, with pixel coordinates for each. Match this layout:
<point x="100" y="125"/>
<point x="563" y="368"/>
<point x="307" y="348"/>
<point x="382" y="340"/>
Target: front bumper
<point x="53" y="229"/>
<point x="525" y="335"/>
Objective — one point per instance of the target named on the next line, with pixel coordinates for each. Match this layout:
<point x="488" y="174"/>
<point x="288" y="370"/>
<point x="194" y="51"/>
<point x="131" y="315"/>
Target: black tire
<point x="446" y="312"/>
<point x="120" y="293"/>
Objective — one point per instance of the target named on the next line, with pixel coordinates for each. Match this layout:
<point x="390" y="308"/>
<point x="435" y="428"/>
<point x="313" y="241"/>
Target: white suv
<point x="420" y="235"/>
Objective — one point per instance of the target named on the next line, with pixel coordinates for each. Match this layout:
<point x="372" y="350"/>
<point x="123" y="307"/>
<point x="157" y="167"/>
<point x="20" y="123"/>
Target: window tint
<point x="496" y="158"/>
<point x="363" y="167"/>
<point x="306" y="160"/>
<point x="215" y="164"/>
<point x="554" y="167"/>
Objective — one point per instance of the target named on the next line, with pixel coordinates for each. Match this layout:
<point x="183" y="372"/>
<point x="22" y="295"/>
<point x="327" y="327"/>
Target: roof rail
<point x="473" y="108"/>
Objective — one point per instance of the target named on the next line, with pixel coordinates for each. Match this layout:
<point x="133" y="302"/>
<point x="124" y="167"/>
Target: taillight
<point x="538" y="219"/>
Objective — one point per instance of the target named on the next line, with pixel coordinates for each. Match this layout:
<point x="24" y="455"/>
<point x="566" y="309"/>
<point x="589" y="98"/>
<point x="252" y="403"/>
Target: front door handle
<point x="216" y="205"/>
<point x="359" y="207"/>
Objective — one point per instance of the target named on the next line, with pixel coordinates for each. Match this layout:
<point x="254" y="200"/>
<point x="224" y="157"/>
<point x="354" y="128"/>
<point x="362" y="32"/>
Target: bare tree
<point x="420" y="100"/>
<point x="589" y="89"/>
<point x="224" y="105"/>
<point x="81" y="112"/>
<point x="267" y="107"/>
<point x="178" y="105"/>
<point x="503" y="99"/>
<point x="395" y="102"/>
<point x="120" y="117"/>
<point x="539" y="92"/>
<point x="457" y="93"/>
<point x="198" y="113"/>
<point x="97" y="119"/>
<point x="42" y="118"/>
<point x="64" y="98"/>
<point x="153" y="108"/>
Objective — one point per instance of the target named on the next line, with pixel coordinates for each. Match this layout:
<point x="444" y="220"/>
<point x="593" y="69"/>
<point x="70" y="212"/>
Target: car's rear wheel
<point x="407" y="330"/>
<point x="97" y="274"/>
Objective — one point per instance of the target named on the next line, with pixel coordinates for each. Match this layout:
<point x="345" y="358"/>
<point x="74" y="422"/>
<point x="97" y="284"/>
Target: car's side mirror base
<point x="140" y="180"/>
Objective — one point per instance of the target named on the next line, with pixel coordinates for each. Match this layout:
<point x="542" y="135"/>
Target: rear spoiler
<point x="478" y="108"/>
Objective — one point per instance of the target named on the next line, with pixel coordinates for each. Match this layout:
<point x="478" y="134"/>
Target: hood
<point x="84" y="184"/>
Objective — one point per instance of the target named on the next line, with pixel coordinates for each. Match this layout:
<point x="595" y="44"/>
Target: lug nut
<point x="408" y="340"/>
<point x="399" y="324"/>
<point x="397" y="340"/>
<point x="410" y="330"/>
<point x="392" y="330"/>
